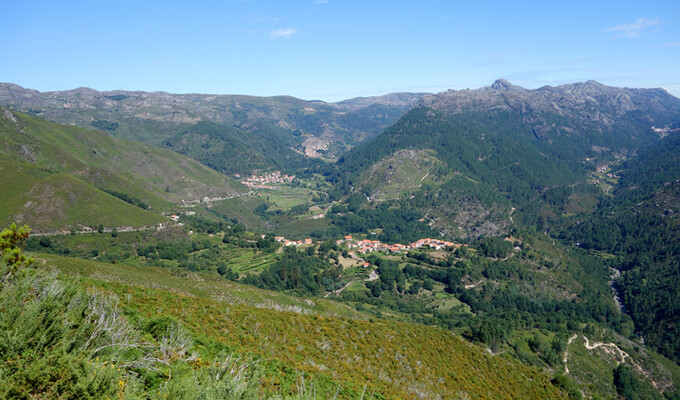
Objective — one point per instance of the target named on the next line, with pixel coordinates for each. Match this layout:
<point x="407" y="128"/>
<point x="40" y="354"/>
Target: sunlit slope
<point x="157" y="177"/>
<point x="390" y="359"/>
<point x="50" y="201"/>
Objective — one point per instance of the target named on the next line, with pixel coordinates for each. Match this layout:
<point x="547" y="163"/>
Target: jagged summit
<point x="503" y="84"/>
<point x="586" y="102"/>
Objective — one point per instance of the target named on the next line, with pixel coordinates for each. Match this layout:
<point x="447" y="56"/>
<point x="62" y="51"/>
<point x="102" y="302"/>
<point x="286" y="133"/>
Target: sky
<point x="336" y="49"/>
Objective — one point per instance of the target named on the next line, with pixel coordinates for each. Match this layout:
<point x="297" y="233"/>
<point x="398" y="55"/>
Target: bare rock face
<point x="565" y="109"/>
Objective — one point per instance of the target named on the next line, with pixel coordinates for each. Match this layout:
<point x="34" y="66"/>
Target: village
<point x="365" y="246"/>
<point x="261" y="181"/>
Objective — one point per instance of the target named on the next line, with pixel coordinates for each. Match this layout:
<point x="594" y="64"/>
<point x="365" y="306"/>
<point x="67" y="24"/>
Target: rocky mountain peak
<point x="503" y="84"/>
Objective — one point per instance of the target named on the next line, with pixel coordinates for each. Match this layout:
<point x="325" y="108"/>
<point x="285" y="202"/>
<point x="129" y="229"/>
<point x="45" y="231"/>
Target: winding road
<point x="612" y="349"/>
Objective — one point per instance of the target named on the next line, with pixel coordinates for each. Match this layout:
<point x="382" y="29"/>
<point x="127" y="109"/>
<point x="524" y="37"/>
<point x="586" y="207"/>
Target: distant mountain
<point x="468" y="159"/>
<point x="230" y="150"/>
<point x="604" y="118"/>
<point x="312" y="128"/>
<point x="59" y="156"/>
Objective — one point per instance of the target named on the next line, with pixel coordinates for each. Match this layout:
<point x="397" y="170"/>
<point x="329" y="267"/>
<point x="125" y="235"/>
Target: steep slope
<point x="479" y="176"/>
<point x="240" y="151"/>
<point x="51" y="201"/>
<point x="387" y="358"/>
<point x="156" y="177"/>
<point x="504" y="148"/>
<point x="319" y="128"/>
<point x="602" y="118"/>
<point x="640" y="225"/>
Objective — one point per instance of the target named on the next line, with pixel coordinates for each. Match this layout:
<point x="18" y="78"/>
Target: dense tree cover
<point x="506" y="168"/>
<point x="654" y="166"/>
<point x="105" y="125"/>
<point x="126" y="197"/>
<point x="208" y="225"/>
<point x="629" y="386"/>
<point x="298" y="271"/>
<point x="499" y="308"/>
<point x="261" y="147"/>
<point x="495" y="247"/>
<point x="397" y="225"/>
<point x="640" y="226"/>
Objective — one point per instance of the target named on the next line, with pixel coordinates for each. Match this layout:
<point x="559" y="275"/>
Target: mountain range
<point x="483" y="153"/>
<point x="559" y="206"/>
<point x="307" y="126"/>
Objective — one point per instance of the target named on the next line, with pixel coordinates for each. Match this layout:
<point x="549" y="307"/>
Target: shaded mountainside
<point x="640" y="225"/>
<point x="468" y="179"/>
<point x="482" y="154"/>
<point x="233" y="151"/>
<point x="140" y="174"/>
<point x="156" y="117"/>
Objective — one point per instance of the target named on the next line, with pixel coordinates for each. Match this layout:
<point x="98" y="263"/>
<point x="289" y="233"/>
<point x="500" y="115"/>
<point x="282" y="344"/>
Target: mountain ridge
<point x="102" y="166"/>
<point x="139" y="109"/>
<point x="584" y="102"/>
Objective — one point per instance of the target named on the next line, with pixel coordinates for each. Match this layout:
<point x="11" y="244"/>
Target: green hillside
<point x="159" y="117"/>
<point x="477" y="162"/>
<point x="157" y="177"/>
<point x="640" y="226"/>
<point x="467" y="179"/>
<point x="52" y="201"/>
<point x="523" y="298"/>
<point x="170" y="337"/>
<point x="261" y="146"/>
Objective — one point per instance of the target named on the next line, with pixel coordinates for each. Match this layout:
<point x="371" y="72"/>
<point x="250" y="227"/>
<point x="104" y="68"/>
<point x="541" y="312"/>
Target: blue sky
<point x="336" y="49"/>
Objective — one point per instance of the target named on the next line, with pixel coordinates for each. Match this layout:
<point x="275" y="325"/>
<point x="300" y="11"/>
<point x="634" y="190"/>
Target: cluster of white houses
<point x="367" y="246"/>
<point x="260" y="181"/>
<point x="287" y="242"/>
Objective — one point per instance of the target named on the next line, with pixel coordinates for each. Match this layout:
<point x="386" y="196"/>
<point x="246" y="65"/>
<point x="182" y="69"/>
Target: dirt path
<point x="566" y="353"/>
<point x="612" y="349"/>
<point x="371" y="277"/>
<point x="422" y="179"/>
<point x="338" y="291"/>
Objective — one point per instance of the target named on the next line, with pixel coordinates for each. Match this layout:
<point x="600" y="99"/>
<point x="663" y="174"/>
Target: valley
<point x="501" y="242"/>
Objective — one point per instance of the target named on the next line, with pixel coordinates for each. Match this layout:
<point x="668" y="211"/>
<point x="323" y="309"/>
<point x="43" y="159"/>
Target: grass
<point x="303" y="227"/>
<point x="158" y="177"/>
<point x="195" y="285"/>
<point x="284" y="197"/>
<point x="49" y="201"/>
<point x="399" y="173"/>
<point x="241" y="209"/>
<point x="388" y="358"/>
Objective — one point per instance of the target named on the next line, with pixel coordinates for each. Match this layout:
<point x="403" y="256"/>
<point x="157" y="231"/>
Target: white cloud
<point x="320" y="1"/>
<point x="633" y="29"/>
<point x="284" y="33"/>
<point x="674" y="44"/>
